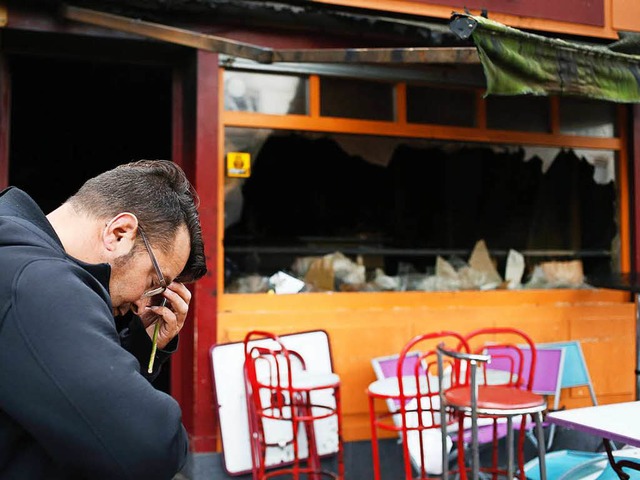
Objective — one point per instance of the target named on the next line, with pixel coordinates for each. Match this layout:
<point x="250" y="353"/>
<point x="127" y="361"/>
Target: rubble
<point x="337" y="272"/>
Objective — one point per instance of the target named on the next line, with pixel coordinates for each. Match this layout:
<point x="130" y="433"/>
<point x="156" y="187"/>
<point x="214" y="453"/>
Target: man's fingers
<point x="177" y="301"/>
<point x="172" y="315"/>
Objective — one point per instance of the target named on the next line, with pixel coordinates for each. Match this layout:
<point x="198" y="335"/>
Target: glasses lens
<point x="154" y="292"/>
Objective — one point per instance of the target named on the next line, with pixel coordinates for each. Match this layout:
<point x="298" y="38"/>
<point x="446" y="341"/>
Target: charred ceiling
<point x="290" y="15"/>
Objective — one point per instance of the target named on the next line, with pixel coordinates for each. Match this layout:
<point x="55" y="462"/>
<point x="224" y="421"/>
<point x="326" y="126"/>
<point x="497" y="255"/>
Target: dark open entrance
<point x="72" y="119"/>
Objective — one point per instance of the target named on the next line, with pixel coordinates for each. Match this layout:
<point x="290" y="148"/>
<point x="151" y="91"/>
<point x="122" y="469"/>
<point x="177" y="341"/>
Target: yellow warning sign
<point x="238" y="164"/>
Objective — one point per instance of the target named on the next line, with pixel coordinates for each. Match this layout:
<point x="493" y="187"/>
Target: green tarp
<point x="517" y="63"/>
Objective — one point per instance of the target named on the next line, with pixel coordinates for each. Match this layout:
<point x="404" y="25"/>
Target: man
<point x="74" y="400"/>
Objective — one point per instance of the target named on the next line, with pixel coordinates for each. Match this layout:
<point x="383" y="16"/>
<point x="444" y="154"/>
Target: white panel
<point x="228" y="382"/>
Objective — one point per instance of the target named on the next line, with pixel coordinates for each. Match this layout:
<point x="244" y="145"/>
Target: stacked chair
<point x="286" y="401"/>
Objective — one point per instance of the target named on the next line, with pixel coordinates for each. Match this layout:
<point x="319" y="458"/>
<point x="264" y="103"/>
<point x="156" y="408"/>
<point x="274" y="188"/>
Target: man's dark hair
<point x="159" y="194"/>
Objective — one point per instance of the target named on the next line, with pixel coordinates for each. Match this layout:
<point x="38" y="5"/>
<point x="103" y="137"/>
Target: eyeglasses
<point x="163" y="283"/>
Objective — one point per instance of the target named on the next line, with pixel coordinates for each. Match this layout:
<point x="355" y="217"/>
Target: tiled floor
<point x="358" y="458"/>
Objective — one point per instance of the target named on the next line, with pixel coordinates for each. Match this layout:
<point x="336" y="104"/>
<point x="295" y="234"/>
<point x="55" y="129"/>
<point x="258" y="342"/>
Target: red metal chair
<point x="508" y="398"/>
<point x="412" y="397"/>
<point x="285" y="401"/>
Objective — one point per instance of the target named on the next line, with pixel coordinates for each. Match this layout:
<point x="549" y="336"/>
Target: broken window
<point x="387" y="210"/>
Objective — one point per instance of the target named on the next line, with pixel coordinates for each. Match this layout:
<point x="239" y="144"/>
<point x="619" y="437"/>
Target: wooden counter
<point x="365" y="325"/>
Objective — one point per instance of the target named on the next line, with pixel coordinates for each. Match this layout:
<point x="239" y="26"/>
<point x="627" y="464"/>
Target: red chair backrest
<point x="425" y="368"/>
<point x="268" y="369"/>
<point x="522" y="365"/>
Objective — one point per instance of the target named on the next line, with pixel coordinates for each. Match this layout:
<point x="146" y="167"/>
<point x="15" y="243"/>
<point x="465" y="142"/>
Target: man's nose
<point x="138" y="305"/>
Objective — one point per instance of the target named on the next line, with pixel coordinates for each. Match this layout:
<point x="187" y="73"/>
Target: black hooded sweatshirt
<point x="73" y="400"/>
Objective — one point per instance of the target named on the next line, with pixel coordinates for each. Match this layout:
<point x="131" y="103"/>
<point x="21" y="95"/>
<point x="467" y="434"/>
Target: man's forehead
<point x="175" y="260"/>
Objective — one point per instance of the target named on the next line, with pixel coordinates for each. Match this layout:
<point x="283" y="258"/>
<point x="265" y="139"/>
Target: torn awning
<point x="516" y="63"/>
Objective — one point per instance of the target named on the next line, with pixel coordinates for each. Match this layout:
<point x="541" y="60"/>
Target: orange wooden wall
<point x="618" y="15"/>
<point x="625" y="15"/>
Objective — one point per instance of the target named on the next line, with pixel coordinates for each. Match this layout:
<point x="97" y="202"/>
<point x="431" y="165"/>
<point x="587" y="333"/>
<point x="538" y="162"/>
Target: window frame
<point x="400" y="127"/>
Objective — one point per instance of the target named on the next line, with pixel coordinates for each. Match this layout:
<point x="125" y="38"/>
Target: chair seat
<point x="495" y="397"/>
<point x="306" y="381"/>
<point x="389" y="387"/>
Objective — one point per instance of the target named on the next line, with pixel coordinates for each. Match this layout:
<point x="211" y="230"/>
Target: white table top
<point x="618" y="421"/>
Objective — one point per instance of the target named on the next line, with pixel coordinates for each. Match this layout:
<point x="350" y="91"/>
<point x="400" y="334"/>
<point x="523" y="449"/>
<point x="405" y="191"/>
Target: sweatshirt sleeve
<point x="66" y="379"/>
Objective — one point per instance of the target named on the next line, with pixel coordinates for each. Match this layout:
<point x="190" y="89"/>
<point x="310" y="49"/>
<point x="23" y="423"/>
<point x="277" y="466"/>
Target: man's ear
<point x="120" y="233"/>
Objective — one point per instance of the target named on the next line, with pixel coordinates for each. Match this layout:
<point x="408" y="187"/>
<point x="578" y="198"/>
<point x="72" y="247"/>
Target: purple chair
<point x="548" y="374"/>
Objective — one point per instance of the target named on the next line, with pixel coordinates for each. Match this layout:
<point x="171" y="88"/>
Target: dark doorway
<point x="73" y="119"/>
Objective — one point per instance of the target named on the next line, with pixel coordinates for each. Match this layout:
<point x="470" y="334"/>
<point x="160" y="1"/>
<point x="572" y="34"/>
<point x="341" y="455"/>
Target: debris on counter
<point x="301" y="265"/>
<point x="249" y="284"/>
<point x="556" y="274"/>
<point x="348" y="272"/>
<point x="320" y="274"/>
<point x="479" y="273"/>
<point x="483" y="272"/>
<point x="384" y="282"/>
<point x="447" y="278"/>
<point x="282" y="282"/>
<point x="335" y="272"/>
<point x="514" y="271"/>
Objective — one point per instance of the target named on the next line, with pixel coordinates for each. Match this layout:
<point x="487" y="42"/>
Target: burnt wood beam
<point x="167" y="33"/>
<point x="360" y="24"/>
<point x="428" y="55"/>
<point x="202" y="41"/>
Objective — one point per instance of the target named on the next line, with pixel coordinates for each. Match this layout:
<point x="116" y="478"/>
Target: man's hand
<point x="171" y="316"/>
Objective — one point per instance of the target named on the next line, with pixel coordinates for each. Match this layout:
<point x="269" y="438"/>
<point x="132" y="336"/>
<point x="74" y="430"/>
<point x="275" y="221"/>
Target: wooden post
<point x="5" y="115"/>
<point x="635" y="188"/>
<point x="195" y="148"/>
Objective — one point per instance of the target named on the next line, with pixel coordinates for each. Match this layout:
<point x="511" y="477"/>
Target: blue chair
<point x="575" y="372"/>
<point x="560" y="462"/>
<point x="576" y="465"/>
